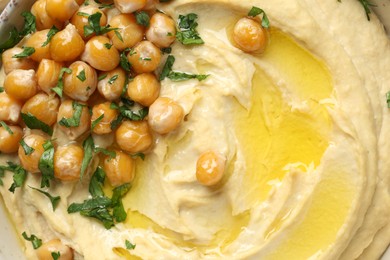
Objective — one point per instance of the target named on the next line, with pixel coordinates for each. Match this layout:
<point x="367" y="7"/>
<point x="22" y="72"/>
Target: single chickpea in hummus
<point x="55" y="246"/>
<point x="29" y="158"/>
<point x="210" y="168"/>
<point x="120" y="169"/>
<point x="165" y="115"/>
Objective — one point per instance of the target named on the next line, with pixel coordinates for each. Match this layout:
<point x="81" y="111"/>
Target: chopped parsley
<point x="187" y="33"/>
<point x="140" y="155"/>
<point x="388" y="99"/>
<point x="167" y="72"/>
<point x="34" y="123"/>
<point x="129" y="245"/>
<point x="97" y="182"/>
<point x="118" y="35"/>
<point x="103" y="6"/>
<point x="60" y="84"/>
<point x="88" y="146"/>
<point x="29" y="23"/>
<point x="112" y="79"/>
<point x="125" y="111"/>
<point x="83" y="14"/>
<point x="124" y="62"/>
<point x="94" y="26"/>
<point x="108" y="45"/>
<point x="55" y="255"/>
<point x="27" y="149"/>
<point x="255" y="11"/>
<point x="142" y="18"/>
<point x="27" y="52"/>
<point x="112" y="154"/>
<point x="74" y="121"/>
<point x="46" y="164"/>
<point x="54" y="200"/>
<point x="82" y="76"/>
<point x="167" y="50"/>
<point x="97" y="121"/>
<point x="50" y="35"/>
<point x="101" y="77"/>
<point x="1" y="176"/>
<point x="19" y="176"/>
<point x="6" y="127"/>
<point x="36" y="242"/>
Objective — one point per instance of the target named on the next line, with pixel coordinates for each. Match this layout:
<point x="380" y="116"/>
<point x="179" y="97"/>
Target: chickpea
<point x="9" y="108"/>
<point x="21" y="84"/>
<point x="126" y="6"/>
<point x="61" y="10"/>
<point x="162" y="30"/>
<point x="67" y="111"/>
<point x="104" y="126"/>
<point x="165" y="115"/>
<point x="119" y="170"/>
<point x="150" y="5"/>
<point x="53" y="246"/>
<point x="43" y="20"/>
<point x="144" y="89"/>
<point x="30" y="162"/>
<point x="10" y="63"/>
<point x="81" y="82"/>
<point x="99" y="56"/>
<point x="9" y="143"/>
<point x="66" y="45"/>
<point x="134" y="136"/>
<point x="145" y="57"/>
<point x="130" y="31"/>
<point x="47" y="74"/>
<point x="43" y="106"/>
<point x="249" y="35"/>
<point x="112" y="90"/>
<point x="79" y="21"/>
<point x="67" y="162"/>
<point x="36" y="41"/>
<point x="210" y="168"/>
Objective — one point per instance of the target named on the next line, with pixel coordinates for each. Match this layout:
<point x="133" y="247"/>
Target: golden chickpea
<point x="145" y="57"/>
<point x="165" y="115"/>
<point x="10" y="63"/>
<point x="36" y="41"/>
<point x="144" y="89"/>
<point x="81" y="82"/>
<point x="109" y="115"/>
<point x="47" y="74"/>
<point x="112" y="89"/>
<point x="9" y="143"/>
<point x="30" y="162"/>
<point x="67" y="162"/>
<point x="119" y="170"/>
<point x="134" y="136"/>
<point x="249" y="35"/>
<point x="66" y="111"/>
<point x="162" y="30"/>
<point x="210" y="168"/>
<point x="43" y="20"/>
<point x="126" y="6"/>
<point x="53" y="246"/>
<point x="21" y="84"/>
<point x="61" y="10"/>
<point x="9" y="108"/>
<point x="130" y="31"/>
<point x="79" y="20"/>
<point x="66" y="45"/>
<point x="99" y="56"/>
<point x="43" y="106"/>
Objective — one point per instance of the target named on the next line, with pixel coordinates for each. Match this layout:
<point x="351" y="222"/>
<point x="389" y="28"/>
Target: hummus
<point x="305" y="131"/>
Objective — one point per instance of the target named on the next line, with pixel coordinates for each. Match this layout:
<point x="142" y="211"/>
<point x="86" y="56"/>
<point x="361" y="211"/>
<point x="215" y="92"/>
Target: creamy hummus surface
<point x="305" y="131"/>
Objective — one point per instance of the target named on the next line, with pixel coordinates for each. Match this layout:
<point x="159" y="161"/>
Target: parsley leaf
<point x="167" y="67"/>
<point x="108" y="45"/>
<point x="97" y="121"/>
<point x="74" y="121"/>
<point x="388" y="99"/>
<point x="27" y="149"/>
<point x="27" y="51"/>
<point x="255" y="11"/>
<point x="88" y="146"/>
<point x="1" y="89"/>
<point x="1" y="176"/>
<point x="112" y="79"/>
<point x="142" y="18"/>
<point x="54" y="200"/>
<point x="82" y="76"/>
<point x="97" y="182"/>
<point x="12" y="40"/>
<point x="46" y="164"/>
<point x="167" y="50"/>
<point x="83" y="14"/>
<point x="19" y="176"/>
<point x="94" y="26"/>
<point x="6" y="127"/>
<point x="112" y="154"/>
<point x="129" y="245"/>
<point x="124" y="62"/>
<point x="55" y="255"/>
<point x="36" y="242"/>
<point x="119" y="212"/>
<point x="178" y="76"/>
<point x="367" y="7"/>
<point x="187" y="33"/>
<point x="60" y="84"/>
<point x="29" y="23"/>
<point x="53" y="30"/>
<point x="102" y="5"/>
<point x="118" y="34"/>
<point x="34" y="123"/>
<point x="140" y="155"/>
<point x="101" y="77"/>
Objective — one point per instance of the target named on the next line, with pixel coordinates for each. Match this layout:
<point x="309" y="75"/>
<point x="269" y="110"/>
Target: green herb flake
<point x="27" y="149"/>
<point x="187" y="33"/>
<point x="34" y="123"/>
<point x="112" y="79"/>
<point x="54" y="200"/>
<point x="119" y="212"/>
<point x="109" y="153"/>
<point x="103" y="6"/>
<point x="167" y="67"/>
<point x="60" y="84"/>
<point x="46" y="164"/>
<point x="145" y="59"/>
<point x="29" y="23"/>
<point x="124" y="62"/>
<point x="88" y="146"/>
<point x="82" y="76"/>
<point x="94" y="26"/>
<point x="140" y="155"/>
<point x="55" y="255"/>
<point x="1" y="176"/>
<point x="97" y="182"/>
<point x="101" y="77"/>
<point x="1" y="89"/>
<point x="388" y="99"/>
<point x="167" y="50"/>
<point x="129" y="245"/>
<point x="19" y="176"/>
<point x="167" y="72"/>
<point x="83" y="14"/>
<point x="74" y="121"/>
<point x="36" y="242"/>
<point x="108" y="45"/>
<point x="6" y="127"/>
<point x="255" y="11"/>
<point x="97" y="121"/>
<point x="142" y="18"/>
<point x="118" y="34"/>
<point x="27" y="52"/>
<point x="50" y="35"/>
